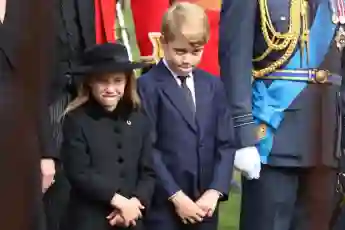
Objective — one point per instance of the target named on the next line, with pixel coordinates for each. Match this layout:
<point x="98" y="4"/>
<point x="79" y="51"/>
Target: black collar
<point x="122" y="111"/>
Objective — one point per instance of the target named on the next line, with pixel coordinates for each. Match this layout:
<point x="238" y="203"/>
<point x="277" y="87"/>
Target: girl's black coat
<point x="105" y="153"/>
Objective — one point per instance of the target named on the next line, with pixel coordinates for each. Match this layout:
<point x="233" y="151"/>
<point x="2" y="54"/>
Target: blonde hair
<point x="130" y="96"/>
<point x="185" y="13"/>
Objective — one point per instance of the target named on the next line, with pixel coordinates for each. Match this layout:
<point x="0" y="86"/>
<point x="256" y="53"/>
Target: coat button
<point x="120" y="160"/>
<point x="122" y="174"/>
<point x="117" y="130"/>
<point x="119" y="145"/>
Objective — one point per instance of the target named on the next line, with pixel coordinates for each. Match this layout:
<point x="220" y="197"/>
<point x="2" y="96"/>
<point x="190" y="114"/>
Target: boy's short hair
<point x="185" y="13"/>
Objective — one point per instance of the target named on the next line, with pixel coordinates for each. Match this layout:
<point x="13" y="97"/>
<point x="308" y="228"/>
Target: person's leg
<point x="56" y="201"/>
<point x="340" y="224"/>
<point x="162" y="216"/>
<point x="268" y="203"/>
<point x="316" y="200"/>
<point x="209" y="223"/>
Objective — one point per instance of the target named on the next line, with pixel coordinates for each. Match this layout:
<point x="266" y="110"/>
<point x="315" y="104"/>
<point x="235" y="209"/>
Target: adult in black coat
<point x="25" y="40"/>
<point x="72" y="18"/>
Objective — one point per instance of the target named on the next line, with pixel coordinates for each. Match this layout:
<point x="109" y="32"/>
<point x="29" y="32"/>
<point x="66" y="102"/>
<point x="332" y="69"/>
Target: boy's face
<point x="182" y="56"/>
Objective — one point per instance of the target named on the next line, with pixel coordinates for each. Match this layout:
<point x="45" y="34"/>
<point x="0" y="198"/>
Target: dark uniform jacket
<point x="309" y="132"/>
<point x="105" y="153"/>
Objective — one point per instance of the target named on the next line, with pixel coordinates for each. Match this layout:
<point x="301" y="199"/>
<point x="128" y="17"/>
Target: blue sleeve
<point x="236" y="38"/>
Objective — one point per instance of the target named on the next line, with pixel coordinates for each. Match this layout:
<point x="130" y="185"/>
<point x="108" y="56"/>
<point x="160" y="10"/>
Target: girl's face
<point x="107" y="89"/>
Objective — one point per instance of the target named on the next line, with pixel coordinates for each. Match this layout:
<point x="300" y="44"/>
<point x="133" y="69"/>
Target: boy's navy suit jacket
<point x="190" y="154"/>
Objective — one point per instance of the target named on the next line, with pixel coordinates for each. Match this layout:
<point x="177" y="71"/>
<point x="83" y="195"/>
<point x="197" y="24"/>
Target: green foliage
<point x="131" y="31"/>
<point x="230" y="213"/>
<point x="230" y="210"/>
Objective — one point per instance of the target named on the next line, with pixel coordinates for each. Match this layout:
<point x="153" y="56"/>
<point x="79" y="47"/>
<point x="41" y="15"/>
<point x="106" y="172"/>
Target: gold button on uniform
<point x="321" y="76"/>
<point x="261" y="133"/>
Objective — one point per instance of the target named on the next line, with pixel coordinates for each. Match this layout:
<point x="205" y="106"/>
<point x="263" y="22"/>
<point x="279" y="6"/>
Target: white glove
<point x="247" y="160"/>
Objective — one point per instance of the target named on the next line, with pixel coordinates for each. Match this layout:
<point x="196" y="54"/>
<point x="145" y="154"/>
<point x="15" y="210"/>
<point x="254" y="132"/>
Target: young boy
<point x="193" y="138"/>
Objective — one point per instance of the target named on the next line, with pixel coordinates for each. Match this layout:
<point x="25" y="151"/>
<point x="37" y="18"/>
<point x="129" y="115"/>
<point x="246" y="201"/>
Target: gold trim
<point x="155" y="38"/>
<point x="321" y="76"/>
<point x="261" y="131"/>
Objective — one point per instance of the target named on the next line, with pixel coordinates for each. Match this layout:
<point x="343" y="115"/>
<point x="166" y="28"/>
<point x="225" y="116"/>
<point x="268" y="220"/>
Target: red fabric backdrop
<point x="105" y="14"/>
<point x="147" y="15"/>
<point x="209" y="60"/>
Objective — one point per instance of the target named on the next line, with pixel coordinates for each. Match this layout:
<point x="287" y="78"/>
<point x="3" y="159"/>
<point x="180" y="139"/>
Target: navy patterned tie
<point x="187" y="92"/>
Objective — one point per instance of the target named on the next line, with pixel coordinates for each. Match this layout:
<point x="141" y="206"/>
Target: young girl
<point x="106" y="150"/>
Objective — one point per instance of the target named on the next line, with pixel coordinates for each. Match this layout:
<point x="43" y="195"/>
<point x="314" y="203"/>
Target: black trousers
<point x="340" y="225"/>
<point x="289" y="199"/>
<point x="339" y="215"/>
<point x="55" y="202"/>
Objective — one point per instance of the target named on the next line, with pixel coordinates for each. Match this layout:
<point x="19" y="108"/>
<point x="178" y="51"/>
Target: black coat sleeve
<point x="147" y="176"/>
<point x="77" y="161"/>
<point x="236" y="38"/>
<point x="47" y="54"/>
<point x="45" y="135"/>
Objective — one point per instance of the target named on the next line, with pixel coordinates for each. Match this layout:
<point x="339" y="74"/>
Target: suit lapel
<point x="174" y="93"/>
<point x="86" y="11"/>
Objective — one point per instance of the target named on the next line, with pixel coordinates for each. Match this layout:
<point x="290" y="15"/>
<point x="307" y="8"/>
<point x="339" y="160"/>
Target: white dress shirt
<point x="189" y="80"/>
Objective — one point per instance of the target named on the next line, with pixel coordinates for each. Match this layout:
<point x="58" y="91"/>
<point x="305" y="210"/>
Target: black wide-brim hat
<point x="106" y="58"/>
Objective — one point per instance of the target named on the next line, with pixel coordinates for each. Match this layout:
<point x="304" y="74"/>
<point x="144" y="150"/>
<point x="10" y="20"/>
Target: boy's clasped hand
<point x="192" y="212"/>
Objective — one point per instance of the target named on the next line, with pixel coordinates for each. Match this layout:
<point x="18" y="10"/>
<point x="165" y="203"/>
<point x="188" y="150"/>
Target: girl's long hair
<point x="130" y="96"/>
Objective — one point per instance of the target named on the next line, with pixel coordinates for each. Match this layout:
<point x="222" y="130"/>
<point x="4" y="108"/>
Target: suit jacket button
<point x="119" y="145"/>
<point x="122" y="174"/>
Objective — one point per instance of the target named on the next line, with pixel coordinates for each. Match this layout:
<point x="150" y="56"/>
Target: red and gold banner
<point x="105" y="15"/>
<point x="147" y="18"/>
